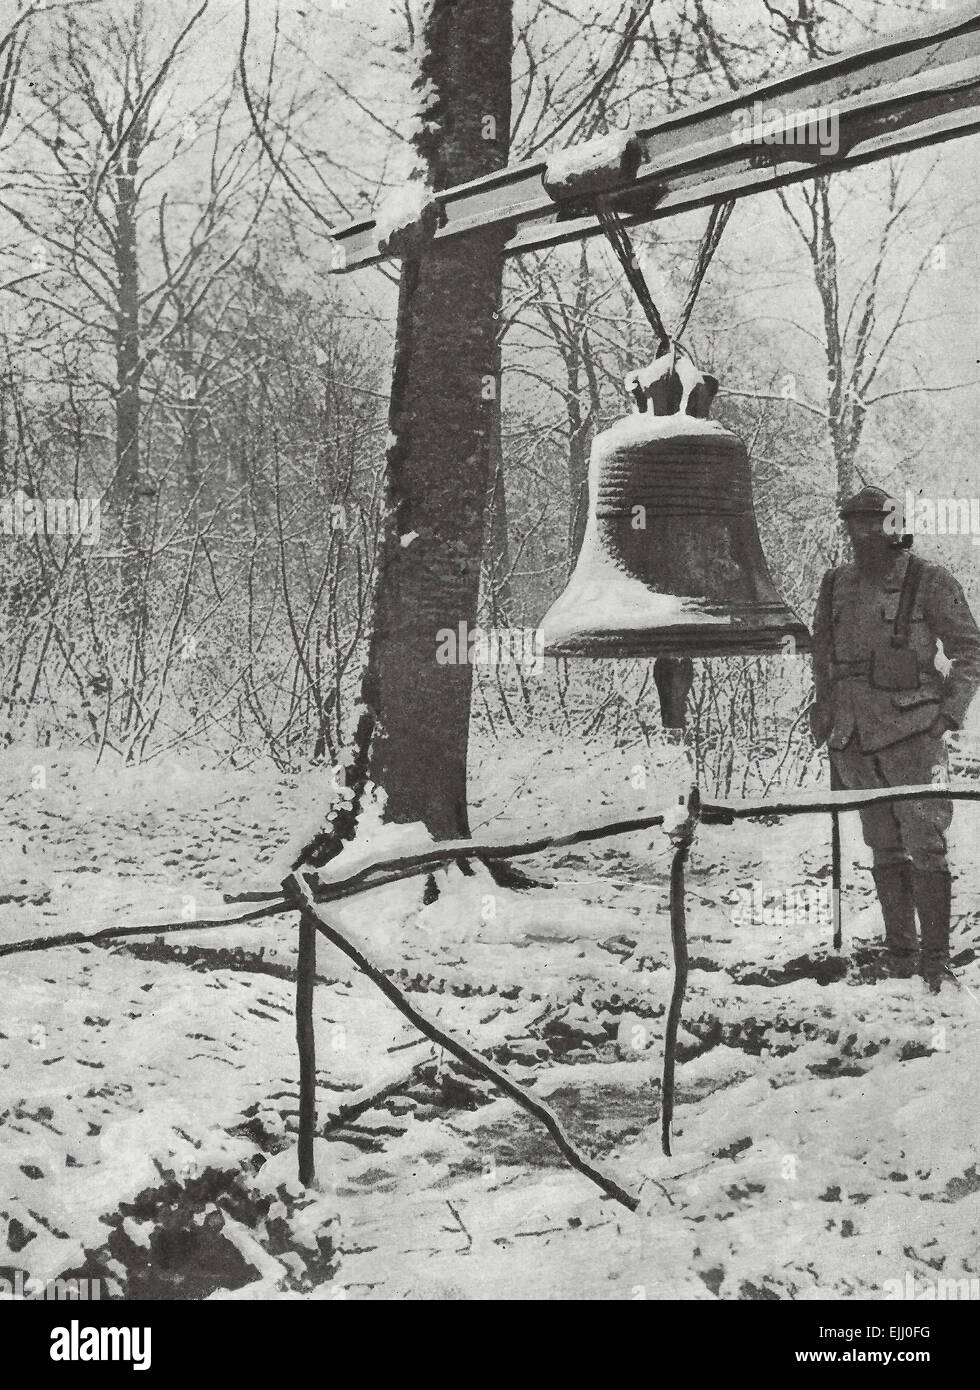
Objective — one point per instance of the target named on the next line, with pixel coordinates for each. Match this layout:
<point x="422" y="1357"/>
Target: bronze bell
<point x="671" y="563"/>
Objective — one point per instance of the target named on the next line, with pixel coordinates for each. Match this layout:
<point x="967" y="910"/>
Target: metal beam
<point x="914" y="88"/>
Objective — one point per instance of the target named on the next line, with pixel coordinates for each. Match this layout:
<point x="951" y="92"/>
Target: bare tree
<point x="12" y="45"/>
<point x="124" y="281"/>
<point x="438" y="467"/>
<point x="858" y="337"/>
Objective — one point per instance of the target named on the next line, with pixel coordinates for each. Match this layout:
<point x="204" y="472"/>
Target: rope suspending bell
<point x="619" y="239"/>
<point x="717" y="222"/>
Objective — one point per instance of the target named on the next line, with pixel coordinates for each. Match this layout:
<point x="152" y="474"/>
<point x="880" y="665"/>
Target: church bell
<point x="671" y="563"/>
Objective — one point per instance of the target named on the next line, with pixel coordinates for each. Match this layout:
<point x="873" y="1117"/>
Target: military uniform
<point x="878" y="735"/>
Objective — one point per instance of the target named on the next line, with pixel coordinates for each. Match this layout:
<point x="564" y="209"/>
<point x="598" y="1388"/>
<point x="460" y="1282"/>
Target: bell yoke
<point x="883" y="706"/>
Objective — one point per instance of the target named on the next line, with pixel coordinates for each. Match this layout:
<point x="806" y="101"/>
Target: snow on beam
<point x="914" y="88"/>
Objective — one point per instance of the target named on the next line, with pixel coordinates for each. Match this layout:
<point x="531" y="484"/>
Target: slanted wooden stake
<point x="681" y="838"/>
<point x="306" y="1043"/>
<point x="313" y="919"/>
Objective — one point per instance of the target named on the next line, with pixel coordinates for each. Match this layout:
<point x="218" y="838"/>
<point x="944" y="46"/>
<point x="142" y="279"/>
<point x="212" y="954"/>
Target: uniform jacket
<point x="854" y="617"/>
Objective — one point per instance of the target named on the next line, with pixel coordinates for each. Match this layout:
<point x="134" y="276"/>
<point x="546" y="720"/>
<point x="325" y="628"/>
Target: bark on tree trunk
<point x="129" y="488"/>
<point x="499" y="589"/>
<point x="844" y="412"/>
<point x="578" y="471"/>
<point x="572" y="341"/>
<point x="441" y="420"/>
<point x="191" y="390"/>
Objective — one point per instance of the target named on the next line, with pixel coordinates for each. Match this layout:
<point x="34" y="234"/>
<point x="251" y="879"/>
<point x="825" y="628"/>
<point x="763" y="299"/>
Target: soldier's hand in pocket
<point x="942" y="724"/>
<point x="821" y="721"/>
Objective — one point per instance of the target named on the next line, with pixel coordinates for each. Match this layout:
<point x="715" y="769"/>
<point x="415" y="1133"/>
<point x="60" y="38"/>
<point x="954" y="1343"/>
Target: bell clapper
<point x="673" y="677"/>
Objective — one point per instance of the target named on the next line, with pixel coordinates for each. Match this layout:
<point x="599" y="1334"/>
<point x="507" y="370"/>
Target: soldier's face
<point x="872" y="546"/>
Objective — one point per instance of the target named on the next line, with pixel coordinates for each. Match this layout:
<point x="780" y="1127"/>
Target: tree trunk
<point x="130" y="487"/>
<point x="845" y="414"/>
<point x="441" y="421"/>
<point x="190" y="391"/>
<point x="578" y="469"/>
<point x="498" y="578"/>
<point x="572" y="341"/>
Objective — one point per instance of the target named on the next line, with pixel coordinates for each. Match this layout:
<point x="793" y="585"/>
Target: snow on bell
<point x="671" y="563"/>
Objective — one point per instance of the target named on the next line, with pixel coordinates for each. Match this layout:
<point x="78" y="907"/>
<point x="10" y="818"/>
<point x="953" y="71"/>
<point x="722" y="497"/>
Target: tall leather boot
<point x="933" y="900"/>
<point x="894" y="885"/>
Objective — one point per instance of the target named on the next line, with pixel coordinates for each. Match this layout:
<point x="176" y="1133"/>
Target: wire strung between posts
<point x="379" y="873"/>
<point x="619" y="239"/>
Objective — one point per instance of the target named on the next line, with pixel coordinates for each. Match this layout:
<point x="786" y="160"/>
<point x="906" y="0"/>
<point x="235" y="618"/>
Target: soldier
<point x="883" y="707"/>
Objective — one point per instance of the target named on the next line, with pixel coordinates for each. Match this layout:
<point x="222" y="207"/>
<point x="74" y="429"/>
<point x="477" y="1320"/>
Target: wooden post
<point x="681" y="839"/>
<point x="306" y="1043"/>
<point x="835" y="876"/>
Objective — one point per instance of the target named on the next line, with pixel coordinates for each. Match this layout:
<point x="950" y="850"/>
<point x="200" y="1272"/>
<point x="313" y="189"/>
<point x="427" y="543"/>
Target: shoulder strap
<point x="910" y="590"/>
<point x="834" y="575"/>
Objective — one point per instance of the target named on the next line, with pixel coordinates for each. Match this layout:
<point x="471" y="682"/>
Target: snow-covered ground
<point x="826" y="1128"/>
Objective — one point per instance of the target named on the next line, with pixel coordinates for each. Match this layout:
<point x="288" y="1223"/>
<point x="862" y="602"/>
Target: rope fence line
<point x="385" y="871"/>
<point x="79" y="938"/>
<point x="308" y="892"/>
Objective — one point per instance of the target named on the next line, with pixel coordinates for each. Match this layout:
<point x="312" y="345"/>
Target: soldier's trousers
<point x="903" y="831"/>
